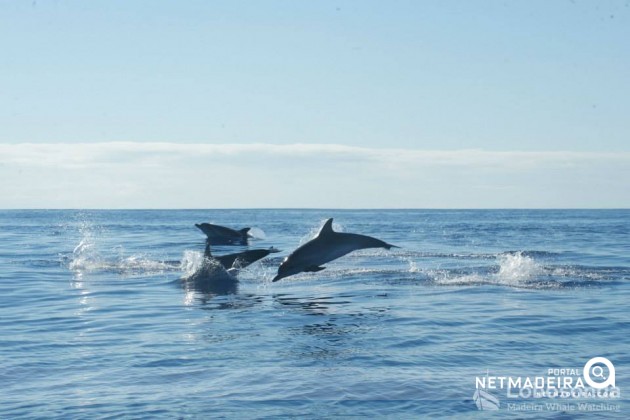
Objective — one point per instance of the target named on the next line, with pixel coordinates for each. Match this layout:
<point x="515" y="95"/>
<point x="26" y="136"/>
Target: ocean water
<point x="97" y="318"/>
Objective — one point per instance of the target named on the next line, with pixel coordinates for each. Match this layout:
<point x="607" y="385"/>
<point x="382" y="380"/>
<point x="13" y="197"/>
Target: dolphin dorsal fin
<point x="327" y="228"/>
<point x="207" y="252"/>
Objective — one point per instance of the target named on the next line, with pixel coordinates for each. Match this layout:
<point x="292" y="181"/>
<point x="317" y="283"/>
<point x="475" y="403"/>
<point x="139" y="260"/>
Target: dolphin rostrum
<point x="239" y="259"/>
<point x="328" y="245"/>
<point x="221" y="235"/>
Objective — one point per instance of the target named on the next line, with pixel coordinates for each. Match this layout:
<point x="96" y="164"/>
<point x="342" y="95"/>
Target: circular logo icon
<point x="592" y="369"/>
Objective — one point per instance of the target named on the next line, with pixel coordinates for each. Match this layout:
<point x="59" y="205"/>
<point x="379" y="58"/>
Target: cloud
<point x="117" y="153"/>
<point x="173" y="175"/>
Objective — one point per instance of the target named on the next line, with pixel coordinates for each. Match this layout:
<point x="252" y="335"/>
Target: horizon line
<point x="311" y="208"/>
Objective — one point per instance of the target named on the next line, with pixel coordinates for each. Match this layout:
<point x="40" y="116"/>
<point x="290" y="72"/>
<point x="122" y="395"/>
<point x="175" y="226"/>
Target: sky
<point x="319" y="104"/>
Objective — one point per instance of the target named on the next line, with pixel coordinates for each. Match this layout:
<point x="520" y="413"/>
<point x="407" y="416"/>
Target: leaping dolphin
<point x="221" y="235"/>
<point x="239" y="259"/>
<point x="328" y="245"/>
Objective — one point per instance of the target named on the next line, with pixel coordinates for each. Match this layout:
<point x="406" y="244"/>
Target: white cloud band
<point x="117" y="153"/>
<point x="177" y="175"/>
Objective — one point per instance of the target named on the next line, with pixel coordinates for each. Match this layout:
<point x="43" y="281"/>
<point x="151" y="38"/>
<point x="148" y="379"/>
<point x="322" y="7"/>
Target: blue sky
<point x="530" y="99"/>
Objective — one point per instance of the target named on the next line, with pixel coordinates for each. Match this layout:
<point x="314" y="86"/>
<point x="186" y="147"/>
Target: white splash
<point x="191" y="263"/>
<point x="257" y="233"/>
<point x="196" y="267"/>
<point x="84" y="254"/>
<point x="87" y="257"/>
<point x="515" y="269"/>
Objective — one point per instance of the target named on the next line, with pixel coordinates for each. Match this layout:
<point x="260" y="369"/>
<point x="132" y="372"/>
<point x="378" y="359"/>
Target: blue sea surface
<point x="97" y="318"/>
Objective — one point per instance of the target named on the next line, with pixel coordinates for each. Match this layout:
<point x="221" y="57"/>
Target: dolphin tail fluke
<point x="245" y="231"/>
<point x="390" y="246"/>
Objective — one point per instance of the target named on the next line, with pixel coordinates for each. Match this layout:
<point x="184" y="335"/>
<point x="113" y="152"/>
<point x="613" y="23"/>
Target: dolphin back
<point x="327" y="246"/>
<point x="245" y="258"/>
<point x="221" y="235"/>
<point x="360" y="241"/>
<point x="364" y="241"/>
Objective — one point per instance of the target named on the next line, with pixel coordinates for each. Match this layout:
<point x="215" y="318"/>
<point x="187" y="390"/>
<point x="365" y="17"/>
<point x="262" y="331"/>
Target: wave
<point x="472" y="255"/>
<point x="195" y="272"/>
<point x="131" y="265"/>
<point x="520" y="270"/>
<point x="515" y="270"/>
<point x="87" y="257"/>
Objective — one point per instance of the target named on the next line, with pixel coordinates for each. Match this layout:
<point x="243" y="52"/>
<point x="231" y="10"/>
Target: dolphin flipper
<point x="314" y="269"/>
